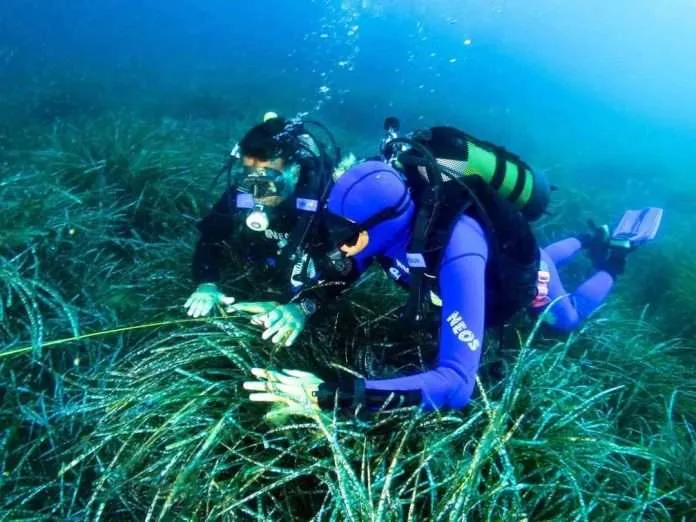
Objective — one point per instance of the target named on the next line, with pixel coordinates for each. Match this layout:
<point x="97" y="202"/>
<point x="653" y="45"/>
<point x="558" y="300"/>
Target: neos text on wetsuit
<point x="462" y="332"/>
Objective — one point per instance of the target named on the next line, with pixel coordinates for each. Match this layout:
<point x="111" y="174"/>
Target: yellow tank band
<point x="481" y="162"/>
<point x="510" y="181"/>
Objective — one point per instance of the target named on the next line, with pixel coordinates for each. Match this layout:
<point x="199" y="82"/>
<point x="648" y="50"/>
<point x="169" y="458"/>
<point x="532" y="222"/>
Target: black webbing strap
<point x="349" y="393"/>
<point x="416" y="255"/>
<point x="519" y="183"/>
<point x="500" y="167"/>
<point x="299" y="233"/>
<point x="346" y="393"/>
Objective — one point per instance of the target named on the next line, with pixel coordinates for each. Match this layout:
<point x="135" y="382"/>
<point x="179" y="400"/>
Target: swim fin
<point x="637" y="227"/>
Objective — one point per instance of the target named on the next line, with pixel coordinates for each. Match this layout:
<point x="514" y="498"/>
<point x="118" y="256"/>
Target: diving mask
<point x="263" y="182"/>
<point x="345" y="232"/>
<point x="268" y="182"/>
<point x="342" y="231"/>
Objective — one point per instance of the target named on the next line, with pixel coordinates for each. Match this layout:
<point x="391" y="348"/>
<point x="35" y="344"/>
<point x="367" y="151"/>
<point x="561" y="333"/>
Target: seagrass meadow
<point x="116" y="406"/>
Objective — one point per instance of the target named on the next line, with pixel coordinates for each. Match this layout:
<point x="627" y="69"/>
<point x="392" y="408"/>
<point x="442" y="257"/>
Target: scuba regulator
<point x="257" y="218"/>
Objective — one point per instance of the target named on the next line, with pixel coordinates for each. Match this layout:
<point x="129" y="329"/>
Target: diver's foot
<point x="608" y="250"/>
<point x="615" y="262"/>
<point x="596" y="241"/>
<point x="606" y="254"/>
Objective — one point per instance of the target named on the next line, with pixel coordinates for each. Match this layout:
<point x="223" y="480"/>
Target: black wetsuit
<point x="257" y="250"/>
<point x="268" y="253"/>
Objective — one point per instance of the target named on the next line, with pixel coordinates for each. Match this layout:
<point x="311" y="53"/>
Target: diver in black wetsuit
<point x="278" y="174"/>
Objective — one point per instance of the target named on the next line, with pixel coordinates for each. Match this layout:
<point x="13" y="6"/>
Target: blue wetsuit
<point x="471" y="293"/>
<point x="462" y="291"/>
<point x="568" y="313"/>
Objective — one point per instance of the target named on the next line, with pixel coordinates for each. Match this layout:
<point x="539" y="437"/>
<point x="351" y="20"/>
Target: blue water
<point x="601" y="92"/>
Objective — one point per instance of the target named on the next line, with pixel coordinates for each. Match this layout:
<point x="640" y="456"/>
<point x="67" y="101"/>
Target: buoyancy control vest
<point x="451" y="173"/>
<point x="513" y="259"/>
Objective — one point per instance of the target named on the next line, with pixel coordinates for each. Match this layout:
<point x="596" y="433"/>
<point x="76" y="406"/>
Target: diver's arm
<point x="328" y="287"/>
<point x="330" y="284"/>
<point x="214" y="228"/>
<point x="450" y="384"/>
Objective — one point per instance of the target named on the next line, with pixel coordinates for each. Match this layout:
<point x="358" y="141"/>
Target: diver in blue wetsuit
<point x="476" y="265"/>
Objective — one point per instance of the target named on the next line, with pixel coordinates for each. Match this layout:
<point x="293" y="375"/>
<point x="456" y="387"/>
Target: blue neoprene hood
<point x="367" y="189"/>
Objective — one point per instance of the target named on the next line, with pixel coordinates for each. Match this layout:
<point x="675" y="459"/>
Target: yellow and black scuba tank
<point x="450" y="172"/>
<point x="460" y="154"/>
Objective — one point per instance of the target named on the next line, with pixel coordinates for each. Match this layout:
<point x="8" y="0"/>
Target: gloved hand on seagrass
<point x="204" y="298"/>
<point x="283" y="324"/>
<point x="292" y="392"/>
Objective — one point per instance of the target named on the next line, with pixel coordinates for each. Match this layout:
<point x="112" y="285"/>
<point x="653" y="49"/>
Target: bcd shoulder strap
<point x="308" y="206"/>
<point x="428" y="208"/>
